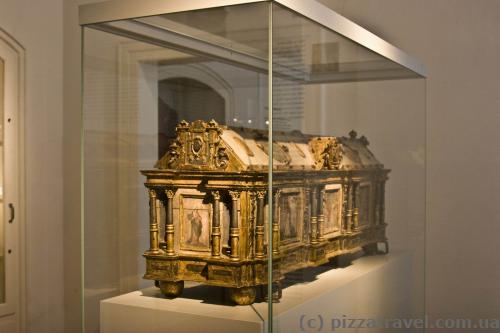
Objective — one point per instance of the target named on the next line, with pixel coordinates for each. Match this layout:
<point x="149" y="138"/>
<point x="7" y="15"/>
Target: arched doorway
<point x="182" y="98"/>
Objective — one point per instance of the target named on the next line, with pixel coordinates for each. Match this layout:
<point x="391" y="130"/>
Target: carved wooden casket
<point x="209" y="206"/>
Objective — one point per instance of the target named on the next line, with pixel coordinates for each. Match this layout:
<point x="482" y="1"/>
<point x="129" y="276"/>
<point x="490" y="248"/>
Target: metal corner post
<point x="82" y="179"/>
<point x="270" y="170"/>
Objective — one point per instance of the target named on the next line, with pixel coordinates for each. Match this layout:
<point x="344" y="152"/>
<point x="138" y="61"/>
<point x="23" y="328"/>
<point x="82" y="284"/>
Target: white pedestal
<point x="373" y="287"/>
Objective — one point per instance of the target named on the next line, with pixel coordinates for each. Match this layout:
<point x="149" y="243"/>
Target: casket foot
<point x="371" y="249"/>
<point x="243" y="296"/>
<point x="171" y="289"/>
<point x="386" y="244"/>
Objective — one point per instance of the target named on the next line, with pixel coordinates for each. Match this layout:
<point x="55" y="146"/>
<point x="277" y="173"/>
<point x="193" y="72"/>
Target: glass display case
<point x="252" y="166"/>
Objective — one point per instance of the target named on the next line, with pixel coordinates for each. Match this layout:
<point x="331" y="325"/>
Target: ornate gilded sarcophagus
<point x="209" y="218"/>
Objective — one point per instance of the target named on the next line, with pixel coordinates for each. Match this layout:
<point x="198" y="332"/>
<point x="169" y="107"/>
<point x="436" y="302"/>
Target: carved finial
<point x="213" y="123"/>
<point x="353" y="134"/>
<point x="364" y="140"/>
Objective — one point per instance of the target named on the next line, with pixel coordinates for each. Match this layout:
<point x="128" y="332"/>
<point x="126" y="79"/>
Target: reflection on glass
<point x="234" y="27"/>
<point x="130" y="116"/>
<point x="328" y="88"/>
<point x="2" y="237"/>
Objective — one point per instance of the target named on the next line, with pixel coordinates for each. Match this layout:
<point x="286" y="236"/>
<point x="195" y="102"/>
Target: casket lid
<point x="209" y="146"/>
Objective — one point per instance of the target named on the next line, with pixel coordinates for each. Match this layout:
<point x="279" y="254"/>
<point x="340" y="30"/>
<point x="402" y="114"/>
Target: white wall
<point x="458" y="42"/>
<point x="37" y="25"/>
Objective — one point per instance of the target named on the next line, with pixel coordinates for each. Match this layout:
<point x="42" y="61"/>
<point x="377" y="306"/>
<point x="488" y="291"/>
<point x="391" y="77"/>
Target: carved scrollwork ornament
<point x="173" y="154"/>
<point x="332" y="155"/>
<point x="221" y="159"/>
<point x="199" y="146"/>
<point x="328" y="152"/>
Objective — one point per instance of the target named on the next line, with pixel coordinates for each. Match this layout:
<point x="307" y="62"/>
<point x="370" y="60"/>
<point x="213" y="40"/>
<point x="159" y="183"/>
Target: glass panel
<point x="175" y="172"/>
<point x="2" y="209"/>
<point x="228" y="27"/>
<point x="349" y="180"/>
<point x="233" y="34"/>
<point x="177" y="200"/>
<point x="307" y="51"/>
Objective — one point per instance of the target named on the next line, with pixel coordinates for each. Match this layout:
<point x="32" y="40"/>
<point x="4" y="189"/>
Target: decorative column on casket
<point x="216" y="225"/>
<point x="379" y="192"/>
<point x="349" y="206"/>
<point x="345" y="205"/>
<point x="376" y="199"/>
<point x="276" y="222"/>
<point x="307" y="213"/>
<point x="314" y="215"/>
<point x="382" y="200"/>
<point x="154" y="215"/>
<point x="259" y="226"/>
<point x="234" y="230"/>
<point x="169" y="223"/>
<point x="321" y="214"/>
<point x="355" y="204"/>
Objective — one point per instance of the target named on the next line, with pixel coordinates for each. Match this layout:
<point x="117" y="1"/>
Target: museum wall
<point x="457" y="41"/>
<point x="37" y="26"/>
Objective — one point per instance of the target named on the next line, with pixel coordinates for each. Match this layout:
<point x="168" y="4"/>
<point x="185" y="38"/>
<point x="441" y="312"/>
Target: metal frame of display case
<point x="116" y="10"/>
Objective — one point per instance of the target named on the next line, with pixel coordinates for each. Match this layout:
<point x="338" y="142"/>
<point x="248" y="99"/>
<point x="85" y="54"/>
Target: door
<point x="10" y="161"/>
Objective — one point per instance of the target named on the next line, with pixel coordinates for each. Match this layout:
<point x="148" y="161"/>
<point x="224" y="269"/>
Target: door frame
<point x="13" y="56"/>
